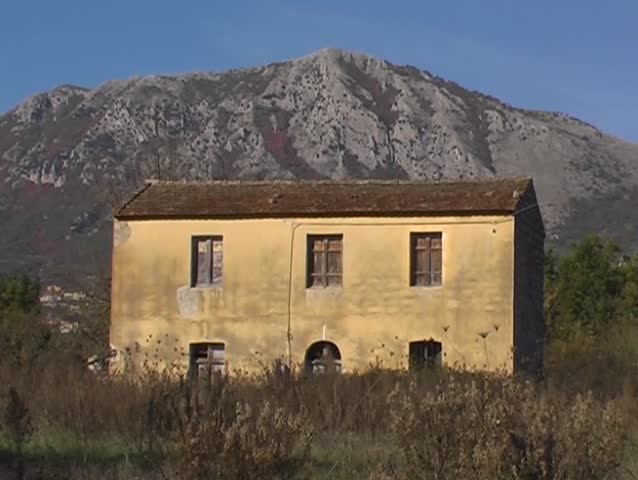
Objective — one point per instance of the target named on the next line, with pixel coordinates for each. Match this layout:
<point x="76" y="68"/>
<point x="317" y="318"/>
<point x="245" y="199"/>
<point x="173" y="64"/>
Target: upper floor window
<point x="207" y="261"/>
<point x="426" y="259"/>
<point x="325" y="261"/>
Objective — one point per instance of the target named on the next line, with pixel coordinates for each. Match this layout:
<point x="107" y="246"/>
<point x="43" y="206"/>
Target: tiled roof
<point x="250" y="199"/>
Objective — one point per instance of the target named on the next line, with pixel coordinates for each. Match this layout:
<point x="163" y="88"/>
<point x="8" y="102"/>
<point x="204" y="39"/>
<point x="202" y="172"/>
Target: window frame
<point x="311" y="238"/>
<point x="413" y="273"/>
<point x="215" y="365"/>
<point x="424" y="353"/>
<point x="195" y="240"/>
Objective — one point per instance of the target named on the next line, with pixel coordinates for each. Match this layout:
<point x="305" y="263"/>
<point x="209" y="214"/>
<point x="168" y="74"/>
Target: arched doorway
<point x="322" y="357"/>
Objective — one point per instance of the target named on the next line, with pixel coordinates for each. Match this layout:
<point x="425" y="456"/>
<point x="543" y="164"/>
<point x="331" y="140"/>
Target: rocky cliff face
<point x="67" y="155"/>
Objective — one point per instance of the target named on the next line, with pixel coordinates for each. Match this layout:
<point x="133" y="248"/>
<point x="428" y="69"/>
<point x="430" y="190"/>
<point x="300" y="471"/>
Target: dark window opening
<point x="207" y="359"/>
<point x="322" y="357"/>
<point x="426" y="259"/>
<point x="207" y="253"/>
<point x="426" y="353"/>
<point x="325" y="261"/>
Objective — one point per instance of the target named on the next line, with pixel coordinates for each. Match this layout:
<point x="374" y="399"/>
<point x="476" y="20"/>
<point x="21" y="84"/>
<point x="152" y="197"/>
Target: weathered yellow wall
<point x="374" y="315"/>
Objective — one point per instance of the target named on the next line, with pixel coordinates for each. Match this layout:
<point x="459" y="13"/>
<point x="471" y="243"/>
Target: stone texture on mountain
<point x="68" y="155"/>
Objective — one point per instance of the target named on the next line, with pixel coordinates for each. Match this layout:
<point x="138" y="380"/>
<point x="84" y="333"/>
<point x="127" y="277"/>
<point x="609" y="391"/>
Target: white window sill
<point x="324" y="290"/>
<point x="420" y="288"/>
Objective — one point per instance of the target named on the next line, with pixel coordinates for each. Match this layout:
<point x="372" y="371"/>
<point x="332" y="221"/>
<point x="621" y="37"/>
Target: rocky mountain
<point x="68" y="155"/>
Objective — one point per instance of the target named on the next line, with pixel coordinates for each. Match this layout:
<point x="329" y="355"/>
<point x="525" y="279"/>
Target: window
<point x="324" y="261"/>
<point x="207" y="359"/>
<point x="426" y="259"/>
<point x="425" y="353"/>
<point x="207" y="261"/>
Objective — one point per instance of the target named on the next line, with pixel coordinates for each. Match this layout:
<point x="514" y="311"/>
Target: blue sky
<point x="578" y="57"/>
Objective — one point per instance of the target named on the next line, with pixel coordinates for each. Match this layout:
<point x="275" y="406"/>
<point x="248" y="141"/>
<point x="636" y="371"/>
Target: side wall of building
<point x="156" y="313"/>
<point x="529" y="321"/>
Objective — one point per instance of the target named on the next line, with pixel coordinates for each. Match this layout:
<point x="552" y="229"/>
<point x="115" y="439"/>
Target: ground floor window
<point x="425" y="353"/>
<point x="207" y="359"/>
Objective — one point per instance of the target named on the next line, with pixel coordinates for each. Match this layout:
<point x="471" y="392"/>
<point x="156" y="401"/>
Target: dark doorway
<point x="322" y="357"/>
<point x="425" y="353"/>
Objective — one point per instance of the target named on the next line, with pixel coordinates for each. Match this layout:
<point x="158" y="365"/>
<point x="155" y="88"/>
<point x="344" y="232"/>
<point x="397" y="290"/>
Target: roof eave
<point x="233" y="216"/>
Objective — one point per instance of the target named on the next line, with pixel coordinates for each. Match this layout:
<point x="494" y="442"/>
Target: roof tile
<point x="241" y="199"/>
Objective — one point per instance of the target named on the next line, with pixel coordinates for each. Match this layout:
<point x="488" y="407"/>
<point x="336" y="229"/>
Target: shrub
<point x="224" y="439"/>
<point x="504" y="428"/>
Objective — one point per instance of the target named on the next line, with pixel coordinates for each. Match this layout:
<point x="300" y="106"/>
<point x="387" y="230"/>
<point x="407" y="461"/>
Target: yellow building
<point x="235" y="275"/>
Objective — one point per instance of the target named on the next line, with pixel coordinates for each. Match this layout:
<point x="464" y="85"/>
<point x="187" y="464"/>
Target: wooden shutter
<point x="324" y="261"/>
<point x="333" y="261"/>
<point x="436" y="259"/>
<point x="318" y="263"/>
<point x="207" y="260"/>
<point x="218" y="261"/>
<point x="204" y="262"/>
<point x="426" y="259"/>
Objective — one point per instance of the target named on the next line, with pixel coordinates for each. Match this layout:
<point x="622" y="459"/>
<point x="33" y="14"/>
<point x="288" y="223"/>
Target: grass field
<point x="379" y="424"/>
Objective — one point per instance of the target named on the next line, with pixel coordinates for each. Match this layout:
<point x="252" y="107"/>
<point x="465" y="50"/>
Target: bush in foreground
<point x="436" y="424"/>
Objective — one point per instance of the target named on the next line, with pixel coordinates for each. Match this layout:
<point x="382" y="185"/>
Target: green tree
<point x="19" y="293"/>
<point x="585" y="289"/>
<point x="551" y="287"/>
<point x="627" y="308"/>
<point x="23" y="336"/>
<point x="24" y="339"/>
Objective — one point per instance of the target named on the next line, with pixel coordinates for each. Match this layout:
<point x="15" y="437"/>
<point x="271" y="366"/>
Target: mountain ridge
<point x="69" y="152"/>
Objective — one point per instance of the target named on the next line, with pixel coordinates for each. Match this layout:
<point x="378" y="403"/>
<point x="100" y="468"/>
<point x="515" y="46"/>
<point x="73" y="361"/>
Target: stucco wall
<point x="529" y="321"/>
<point x="374" y="315"/>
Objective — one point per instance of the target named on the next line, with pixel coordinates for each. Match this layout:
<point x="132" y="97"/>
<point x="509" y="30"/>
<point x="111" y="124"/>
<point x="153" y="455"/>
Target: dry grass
<point x="378" y="424"/>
